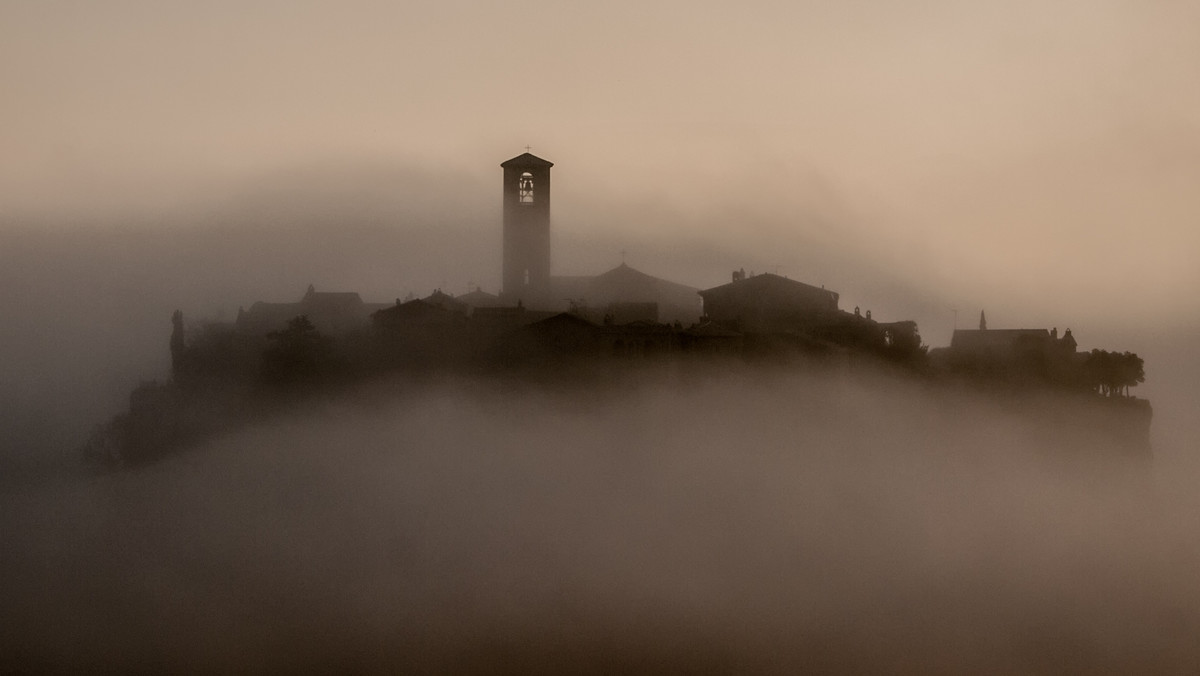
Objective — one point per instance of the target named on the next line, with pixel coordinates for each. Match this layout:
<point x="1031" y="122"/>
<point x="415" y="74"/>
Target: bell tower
<point x="526" y="275"/>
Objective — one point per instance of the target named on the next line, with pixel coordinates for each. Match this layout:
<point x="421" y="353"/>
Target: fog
<point x="743" y="521"/>
<point x="724" y="522"/>
<point x="927" y="162"/>
<point x="734" y="521"/>
<point x="1036" y="155"/>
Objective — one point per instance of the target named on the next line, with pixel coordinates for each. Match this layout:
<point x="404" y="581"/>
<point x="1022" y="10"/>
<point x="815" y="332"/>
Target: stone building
<point x="330" y="312"/>
<point x="768" y="303"/>
<point x="526" y="270"/>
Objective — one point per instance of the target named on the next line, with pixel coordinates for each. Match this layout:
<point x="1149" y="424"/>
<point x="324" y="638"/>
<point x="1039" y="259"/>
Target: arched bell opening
<point x="525" y="188"/>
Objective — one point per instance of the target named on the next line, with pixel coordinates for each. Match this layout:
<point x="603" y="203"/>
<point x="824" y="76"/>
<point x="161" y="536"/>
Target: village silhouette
<point x="545" y="325"/>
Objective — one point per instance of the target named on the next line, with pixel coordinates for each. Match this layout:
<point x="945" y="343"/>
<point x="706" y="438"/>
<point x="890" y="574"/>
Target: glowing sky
<point x="1043" y="154"/>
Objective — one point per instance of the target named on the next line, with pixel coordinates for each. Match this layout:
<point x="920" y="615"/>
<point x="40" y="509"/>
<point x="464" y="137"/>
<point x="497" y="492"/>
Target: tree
<point x="1111" y="374"/>
<point x="1130" y="371"/>
<point x="902" y="342"/>
<point x="297" y="354"/>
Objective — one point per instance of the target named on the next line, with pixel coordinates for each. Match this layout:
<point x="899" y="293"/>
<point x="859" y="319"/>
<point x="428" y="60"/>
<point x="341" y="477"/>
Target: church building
<point x="526" y="275"/>
<point x="527" y="278"/>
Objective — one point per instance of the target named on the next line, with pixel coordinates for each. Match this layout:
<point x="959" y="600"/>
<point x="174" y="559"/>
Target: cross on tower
<point x="527" y="148"/>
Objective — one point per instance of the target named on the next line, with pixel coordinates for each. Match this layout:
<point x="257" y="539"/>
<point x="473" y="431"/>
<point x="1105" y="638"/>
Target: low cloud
<point x="747" y="521"/>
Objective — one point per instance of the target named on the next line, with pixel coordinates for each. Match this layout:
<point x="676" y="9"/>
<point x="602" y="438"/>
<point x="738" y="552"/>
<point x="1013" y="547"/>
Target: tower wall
<point x="526" y="273"/>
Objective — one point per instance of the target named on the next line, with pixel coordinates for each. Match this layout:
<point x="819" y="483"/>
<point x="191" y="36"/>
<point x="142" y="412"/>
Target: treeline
<point x="1111" y="374"/>
<point x="1104" y="373"/>
<point x="222" y="377"/>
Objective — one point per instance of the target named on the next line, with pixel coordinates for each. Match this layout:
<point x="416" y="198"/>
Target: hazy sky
<point x="1037" y="158"/>
<point x="1041" y="158"/>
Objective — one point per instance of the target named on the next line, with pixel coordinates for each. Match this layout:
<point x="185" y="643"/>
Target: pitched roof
<point x="764" y="281"/>
<point x="995" y="339"/>
<point x="624" y="279"/>
<point x="479" y="298"/>
<point x="343" y="296"/>
<point x="527" y="160"/>
<point x="261" y="313"/>
<point x="445" y="301"/>
<point x="331" y="302"/>
<point x="410" y="310"/>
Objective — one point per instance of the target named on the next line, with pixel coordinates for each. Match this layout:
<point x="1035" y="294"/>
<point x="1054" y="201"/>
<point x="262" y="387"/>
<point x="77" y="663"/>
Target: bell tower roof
<point x="527" y="160"/>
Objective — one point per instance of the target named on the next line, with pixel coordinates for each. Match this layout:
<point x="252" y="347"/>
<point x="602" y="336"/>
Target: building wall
<point x="761" y="304"/>
<point x="526" y="273"/>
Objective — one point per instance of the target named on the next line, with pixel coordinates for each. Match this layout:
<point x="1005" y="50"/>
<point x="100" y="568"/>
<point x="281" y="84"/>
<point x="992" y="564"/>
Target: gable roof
<point x="763" y="282"/>
<point x="527" y="160"/>
<point x="268" y="314"/>
<point x="479" y="298"/>
<point x="334" y="296"/>
<point x="996" y="339"/>
<point x="412" y="310"/>
<point x="313" y="296"/>
<point x="624" y="280"/>
<point x="445" y="301"/>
